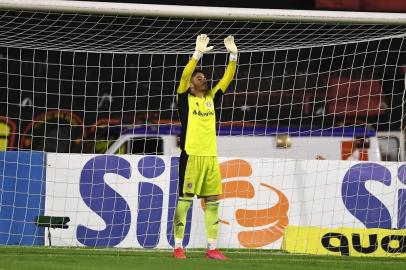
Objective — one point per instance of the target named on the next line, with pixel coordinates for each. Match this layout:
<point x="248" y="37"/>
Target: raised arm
<point x="201" y="47"/>
<point x="231" y="67"/>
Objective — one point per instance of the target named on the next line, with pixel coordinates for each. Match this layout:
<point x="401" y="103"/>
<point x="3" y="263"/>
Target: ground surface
<point x="97" y="259"/>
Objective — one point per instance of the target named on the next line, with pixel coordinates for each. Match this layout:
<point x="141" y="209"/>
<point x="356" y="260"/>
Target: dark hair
<point x="197" y="70"/>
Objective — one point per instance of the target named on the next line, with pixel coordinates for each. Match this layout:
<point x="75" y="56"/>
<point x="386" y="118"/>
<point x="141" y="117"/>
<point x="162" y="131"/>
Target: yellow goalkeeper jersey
<point x="198" y="115"/>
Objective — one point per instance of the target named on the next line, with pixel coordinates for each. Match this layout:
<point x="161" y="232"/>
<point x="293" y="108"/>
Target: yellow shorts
<point x="199" y="175"/>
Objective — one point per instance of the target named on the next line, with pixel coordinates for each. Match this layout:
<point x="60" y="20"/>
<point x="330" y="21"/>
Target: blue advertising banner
<point x="22" y="197"/>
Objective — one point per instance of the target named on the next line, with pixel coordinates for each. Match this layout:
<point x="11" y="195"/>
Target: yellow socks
<point x="211" y="219"/>
<point x="180" y="219"/>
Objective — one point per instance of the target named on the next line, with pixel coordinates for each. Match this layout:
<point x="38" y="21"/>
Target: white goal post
<point x="205" y="12"/>
<point x="310" y="131"/>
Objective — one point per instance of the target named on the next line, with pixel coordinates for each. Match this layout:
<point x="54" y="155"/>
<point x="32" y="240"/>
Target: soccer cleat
<point x="215" y="254"/>
<point x="179" y="253"/>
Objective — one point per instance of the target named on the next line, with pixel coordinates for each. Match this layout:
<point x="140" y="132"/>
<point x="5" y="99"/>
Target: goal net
<point x="310" y="131"/>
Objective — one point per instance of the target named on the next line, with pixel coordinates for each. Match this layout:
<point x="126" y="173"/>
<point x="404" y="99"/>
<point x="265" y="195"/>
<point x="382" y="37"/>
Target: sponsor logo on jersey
<point x="203" y="114"/>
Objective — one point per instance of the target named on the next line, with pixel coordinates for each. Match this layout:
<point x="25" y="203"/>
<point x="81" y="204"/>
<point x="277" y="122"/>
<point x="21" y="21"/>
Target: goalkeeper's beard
<point x="202" y="89"/>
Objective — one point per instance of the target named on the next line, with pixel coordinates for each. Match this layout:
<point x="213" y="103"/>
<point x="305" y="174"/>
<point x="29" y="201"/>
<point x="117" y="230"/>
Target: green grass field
<point x="96" y="259"/>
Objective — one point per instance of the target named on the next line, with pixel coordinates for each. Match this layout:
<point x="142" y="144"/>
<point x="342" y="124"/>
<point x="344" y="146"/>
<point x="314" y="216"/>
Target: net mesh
<point x="120" y="34"/>
<point x="76" y="85"/>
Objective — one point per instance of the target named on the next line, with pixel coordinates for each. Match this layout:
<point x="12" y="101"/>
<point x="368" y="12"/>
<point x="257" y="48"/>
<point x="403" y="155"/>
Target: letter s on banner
<point x="359" y="201"/>
<point x="104" y="201"/>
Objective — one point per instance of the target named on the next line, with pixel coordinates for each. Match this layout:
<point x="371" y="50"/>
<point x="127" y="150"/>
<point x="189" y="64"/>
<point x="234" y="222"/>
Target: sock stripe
<point x="185" y="199"/>
<point x="216" y="203"/>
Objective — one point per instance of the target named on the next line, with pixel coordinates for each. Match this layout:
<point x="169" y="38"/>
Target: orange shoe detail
<point x="215" y="254"/>
<point x="179" y="253"/>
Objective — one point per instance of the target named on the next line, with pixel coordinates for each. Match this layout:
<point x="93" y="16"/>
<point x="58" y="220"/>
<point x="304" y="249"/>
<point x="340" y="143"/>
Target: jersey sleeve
<point x="186" y="75"/>
<point x="182" y="99"/>
<point x="226" y="80"/>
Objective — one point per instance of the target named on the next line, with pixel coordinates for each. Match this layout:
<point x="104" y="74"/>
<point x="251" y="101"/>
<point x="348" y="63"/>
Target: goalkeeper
<point x="199" y="172"/>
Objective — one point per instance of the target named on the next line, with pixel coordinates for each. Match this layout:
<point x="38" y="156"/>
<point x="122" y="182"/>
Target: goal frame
<point x="223" y="13"/>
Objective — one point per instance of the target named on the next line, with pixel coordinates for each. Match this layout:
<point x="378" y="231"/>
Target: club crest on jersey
<point x="208" y="104"/>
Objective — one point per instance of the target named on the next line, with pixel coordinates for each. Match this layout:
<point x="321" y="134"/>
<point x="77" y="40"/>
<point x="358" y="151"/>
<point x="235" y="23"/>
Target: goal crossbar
<point x="128" y="9"/>
<point x="138" y="28"/>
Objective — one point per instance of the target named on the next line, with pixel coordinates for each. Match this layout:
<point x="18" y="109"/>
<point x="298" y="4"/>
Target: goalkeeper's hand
<point x="231" y="47"/>
<point x="201" y="46"/>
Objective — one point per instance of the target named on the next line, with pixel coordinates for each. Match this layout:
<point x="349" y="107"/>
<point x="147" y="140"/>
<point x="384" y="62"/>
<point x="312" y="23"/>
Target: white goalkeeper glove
<point x="201" y="46"/>
<point x="231" y="47"/>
